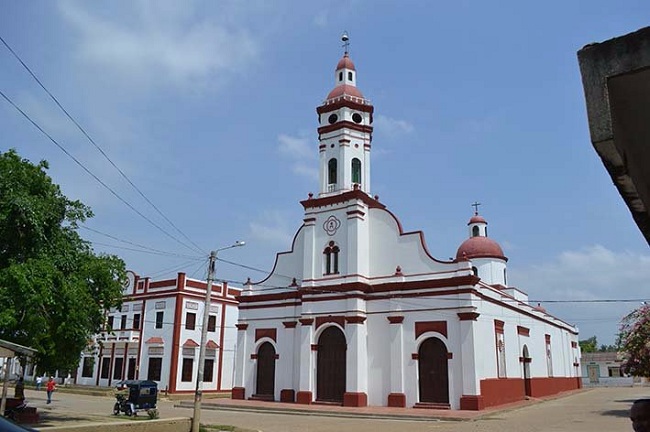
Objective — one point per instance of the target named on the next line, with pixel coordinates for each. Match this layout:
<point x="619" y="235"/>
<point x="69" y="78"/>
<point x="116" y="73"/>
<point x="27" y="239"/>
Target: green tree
<point x="634" y="342"/>
<point x="588" y="345"/>
<point x="54" y="289"/>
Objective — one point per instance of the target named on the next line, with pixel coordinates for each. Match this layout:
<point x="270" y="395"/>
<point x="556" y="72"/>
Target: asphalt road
<point x="594" y="410"/>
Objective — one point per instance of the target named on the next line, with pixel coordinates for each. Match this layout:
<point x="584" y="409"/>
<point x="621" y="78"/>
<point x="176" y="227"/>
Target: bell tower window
<point x="350" y="76"/>
<point x="475" y="271"/>
<point x="331" y="171"/>
<point x="475" y="231"/>
<point x="340" y="76"/>
<point x="331" y="255"/>
<point x="356" y="171"/>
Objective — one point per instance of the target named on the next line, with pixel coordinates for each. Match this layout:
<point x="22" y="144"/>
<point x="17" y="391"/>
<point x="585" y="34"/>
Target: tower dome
<point x="345" y="79"/>
<point x="479" y="245"/>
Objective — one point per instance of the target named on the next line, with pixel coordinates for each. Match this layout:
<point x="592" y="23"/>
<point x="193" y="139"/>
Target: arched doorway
<point x="526" y="360"/>
<point x="330" y="365"/>
<point x="265" y="371"/>
<point x="433" y="369"/>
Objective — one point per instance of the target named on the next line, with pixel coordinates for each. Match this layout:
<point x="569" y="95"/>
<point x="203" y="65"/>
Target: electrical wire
<point x="136" y="244"/>
<point x="64" y="150"/>
<point x="83" y="131"/>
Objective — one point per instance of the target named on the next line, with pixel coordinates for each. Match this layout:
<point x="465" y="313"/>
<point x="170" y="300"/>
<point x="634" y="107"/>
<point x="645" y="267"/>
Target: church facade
<point x="372" y="318"/>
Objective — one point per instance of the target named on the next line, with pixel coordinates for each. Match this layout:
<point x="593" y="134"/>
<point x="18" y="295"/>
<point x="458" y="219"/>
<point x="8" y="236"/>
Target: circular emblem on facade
<point x="331" y="225"/>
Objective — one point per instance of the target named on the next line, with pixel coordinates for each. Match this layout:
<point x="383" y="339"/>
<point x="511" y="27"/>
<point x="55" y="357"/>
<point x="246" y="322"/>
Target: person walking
<point x="19" y="390"/>
<point x="39" y="382"/>
<point x="640" y="415"/>
<point x="51" y="386"/>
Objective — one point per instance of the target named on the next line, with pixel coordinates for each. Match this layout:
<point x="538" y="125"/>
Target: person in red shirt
<point x="51" y="386"/>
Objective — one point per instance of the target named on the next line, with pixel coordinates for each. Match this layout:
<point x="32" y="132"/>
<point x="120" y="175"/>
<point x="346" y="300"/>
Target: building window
<point x="331" y="253"/>
<point x="188" y="364"/>
<point x="331" y="171"/>
<point x="155" y="366"/>
<point x="340" y="76"/>
<point x="159" y="319"/>
<point x="475" y="231"/>
<point x="208" y="370"/>
<point x="109" y="323"/>
<point x="117" y="368"/>
<point x="505" y="278"/>
<point x="106" y="368"/>
<point x="475" y="271"/>
<point x="212" y="323"/>
<point x="87" y="367"/>
<point x="350" y="76"/>
<point x="136" y="321"/>
<point x="190" y="321"/>
<point x="356" y="171"/>
<point x="549" y="356"/>
<point x="501" y="348"/>
<point x="123" y="322"/>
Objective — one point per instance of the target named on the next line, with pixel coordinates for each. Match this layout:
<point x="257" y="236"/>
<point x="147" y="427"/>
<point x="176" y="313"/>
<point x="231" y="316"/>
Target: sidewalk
<point x="370" y="412"/>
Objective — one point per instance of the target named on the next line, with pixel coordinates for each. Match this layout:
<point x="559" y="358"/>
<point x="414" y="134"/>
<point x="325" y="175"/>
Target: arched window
<point x="331" y="171"/>
<point x="475" y="231"/>
<point x="475" y="271"/>
<point x="331" y="261"/>
<point x="356" y="171"/>
<point x="505" y="278"/>
<point x="350" y="76"/>
<point x="340" y="76"/>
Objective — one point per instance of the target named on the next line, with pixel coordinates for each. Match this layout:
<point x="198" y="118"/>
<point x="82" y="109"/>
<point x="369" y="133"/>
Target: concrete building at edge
<point x="372" y="318"/>
<point x="156" y="335"/>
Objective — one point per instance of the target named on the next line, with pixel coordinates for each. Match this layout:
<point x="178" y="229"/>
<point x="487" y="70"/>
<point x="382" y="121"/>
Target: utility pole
<point x="196" y="417"/>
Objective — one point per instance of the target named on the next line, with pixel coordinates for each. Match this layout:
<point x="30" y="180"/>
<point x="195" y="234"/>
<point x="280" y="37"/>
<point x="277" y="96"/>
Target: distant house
<point x="603" y="368"/>
<point x="156" y="333"/>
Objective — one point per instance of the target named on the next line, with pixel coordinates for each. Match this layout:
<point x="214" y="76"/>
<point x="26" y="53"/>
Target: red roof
<point x="154" y="340"/>
<point x="211" y="345"/>
<point x="342" y="89"/>
<point x="345" y="63"/>
<point x="477" y="219"/>
<point x="190" y="344"/>
<point x="480" y="247"/>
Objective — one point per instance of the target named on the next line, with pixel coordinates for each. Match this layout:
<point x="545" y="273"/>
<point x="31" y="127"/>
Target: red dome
<point x="477" y="219"/>
<point x="342" y="89"/>
<point x="345" y="63"/>
<point x="480" y="247"/>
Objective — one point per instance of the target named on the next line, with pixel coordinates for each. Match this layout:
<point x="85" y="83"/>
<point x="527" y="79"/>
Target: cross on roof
<point x="475" y="205"/>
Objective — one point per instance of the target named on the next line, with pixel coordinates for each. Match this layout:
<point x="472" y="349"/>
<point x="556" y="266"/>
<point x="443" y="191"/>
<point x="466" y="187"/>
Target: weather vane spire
<point x="475" y="205"/>
<point x="346" y="42"/>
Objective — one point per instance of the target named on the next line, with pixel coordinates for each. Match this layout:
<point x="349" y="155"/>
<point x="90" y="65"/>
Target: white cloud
<point x="321" y="19"/>
<point x="297" y="148"/>
<point x="304" y="157"/>
<point x="163" y="43"/>
<point x="272" y="228"/>
<point x="391" y="126"/>
<point x="591" y="273"/>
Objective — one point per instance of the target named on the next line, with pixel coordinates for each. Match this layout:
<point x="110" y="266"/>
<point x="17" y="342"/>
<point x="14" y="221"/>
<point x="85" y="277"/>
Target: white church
<point x="372" y="318"/>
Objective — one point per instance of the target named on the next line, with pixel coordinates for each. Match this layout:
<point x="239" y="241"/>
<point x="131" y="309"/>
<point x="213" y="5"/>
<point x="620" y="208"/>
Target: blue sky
<point x="209" y="108"/>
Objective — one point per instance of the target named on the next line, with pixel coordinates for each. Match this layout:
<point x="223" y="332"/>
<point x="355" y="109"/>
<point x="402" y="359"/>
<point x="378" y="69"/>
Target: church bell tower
<point x="344" y="132"/>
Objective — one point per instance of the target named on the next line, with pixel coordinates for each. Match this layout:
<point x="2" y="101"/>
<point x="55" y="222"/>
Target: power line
<point x="37" y="126"/>
<point x="83" y="131"/>
<point x="135" y="244"/>
<point x="144" y="251"/>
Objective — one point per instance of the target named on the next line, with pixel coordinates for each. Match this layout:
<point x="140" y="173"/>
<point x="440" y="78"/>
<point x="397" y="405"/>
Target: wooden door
<point x="433" y="369"/>
<point x="130" y="374"/>
<point x="526" y="358"/>
<point x="594" y="373"/>
<point x="331" y="363"/>
<point x="265" y="370"/>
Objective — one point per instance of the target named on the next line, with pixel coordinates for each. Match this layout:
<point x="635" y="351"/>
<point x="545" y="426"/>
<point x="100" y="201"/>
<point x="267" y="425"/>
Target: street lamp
<point x="196" y="417"/>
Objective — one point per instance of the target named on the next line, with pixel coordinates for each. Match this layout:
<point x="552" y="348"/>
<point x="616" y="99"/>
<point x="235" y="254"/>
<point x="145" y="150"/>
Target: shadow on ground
<point x="617" y="413"/>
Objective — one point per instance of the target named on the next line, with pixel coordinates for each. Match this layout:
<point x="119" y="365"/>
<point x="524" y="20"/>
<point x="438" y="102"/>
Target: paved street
<point x="589" y="411"/>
